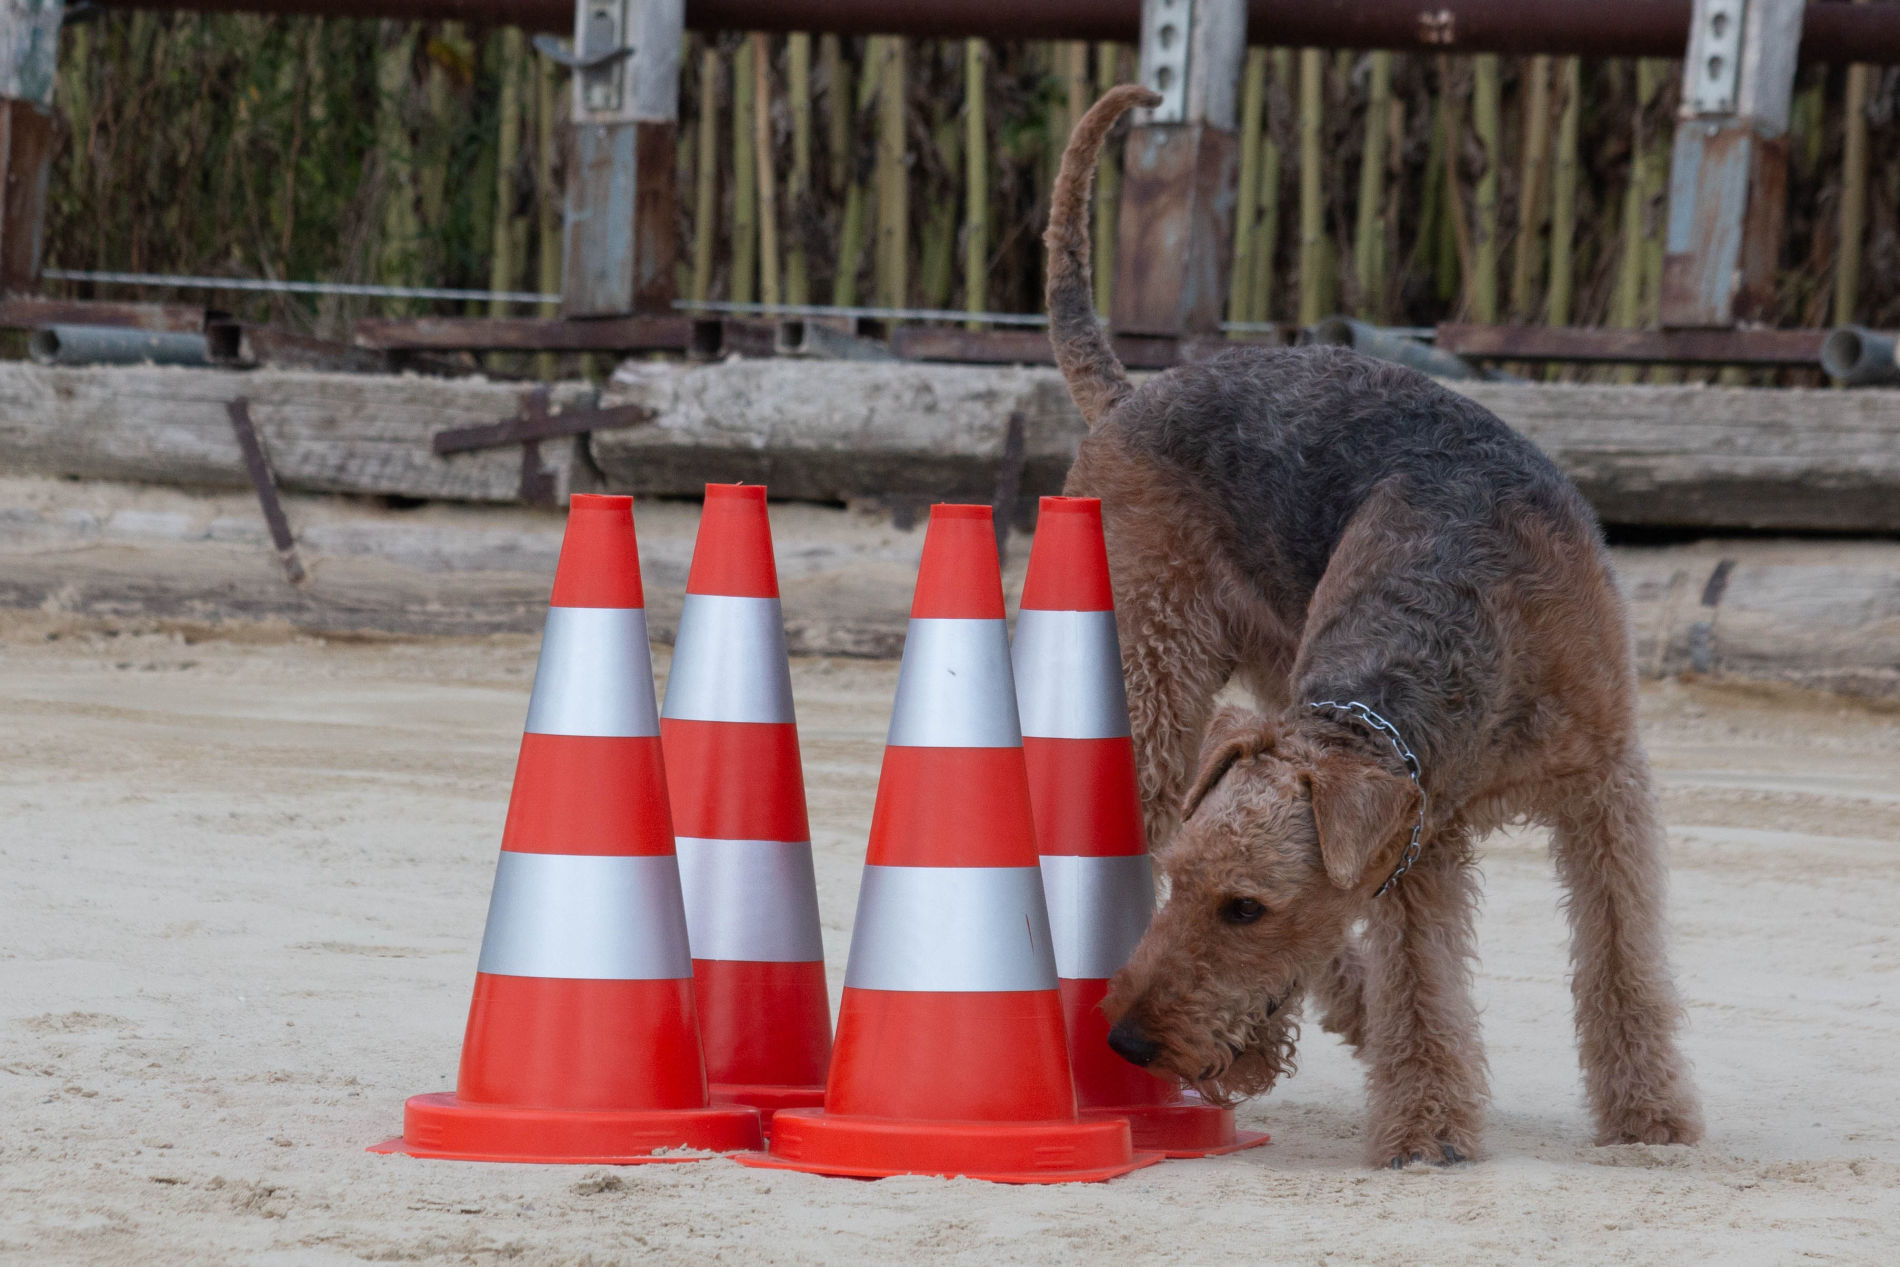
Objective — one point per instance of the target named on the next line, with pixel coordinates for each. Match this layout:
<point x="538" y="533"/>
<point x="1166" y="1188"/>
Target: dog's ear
<point x="1358" y="808"/>
<point x="1233" y="735"/>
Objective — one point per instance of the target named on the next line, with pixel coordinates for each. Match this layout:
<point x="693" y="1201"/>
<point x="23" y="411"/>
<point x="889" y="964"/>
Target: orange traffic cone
<point x="582" y="1041"/>
<point x="950" y="1055"/>
<point x="739" y="810"/>
<point x="1095" y="870"/>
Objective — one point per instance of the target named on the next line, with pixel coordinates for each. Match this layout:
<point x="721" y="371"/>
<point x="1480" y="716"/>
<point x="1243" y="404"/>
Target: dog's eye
<point x="1242" y="910"/>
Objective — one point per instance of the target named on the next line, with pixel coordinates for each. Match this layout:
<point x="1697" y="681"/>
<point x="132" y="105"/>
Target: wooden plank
<point x="1711" y="457"/>
<point x="832" y="430"/>
<point x="1821" y="615"/>
<point x="1691" y="457"/>
<point x="339" y="433"/>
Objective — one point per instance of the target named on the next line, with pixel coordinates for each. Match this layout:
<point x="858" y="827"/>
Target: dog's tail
<point x="1095" y="376"/>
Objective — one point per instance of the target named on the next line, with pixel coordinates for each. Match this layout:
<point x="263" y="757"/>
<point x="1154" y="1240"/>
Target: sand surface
<point x="242" y="886"/>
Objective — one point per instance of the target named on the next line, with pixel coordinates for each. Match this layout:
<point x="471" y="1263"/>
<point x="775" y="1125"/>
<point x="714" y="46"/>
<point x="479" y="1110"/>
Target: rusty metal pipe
<point x="1859" y="357"/>
<point x="1834" y="31"/>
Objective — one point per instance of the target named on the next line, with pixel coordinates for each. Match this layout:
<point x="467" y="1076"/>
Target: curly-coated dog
<point x="1425" y="605"/>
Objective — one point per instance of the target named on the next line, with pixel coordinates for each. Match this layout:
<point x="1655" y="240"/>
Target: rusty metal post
<point x="1180" y="176"/>
<point x="29" y="53"/>
<point x="1728" y="179"/>
<point x="621" y="239"/>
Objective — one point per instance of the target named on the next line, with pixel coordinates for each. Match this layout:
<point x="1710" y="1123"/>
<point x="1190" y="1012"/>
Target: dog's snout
<point x="1132" y="1045"/>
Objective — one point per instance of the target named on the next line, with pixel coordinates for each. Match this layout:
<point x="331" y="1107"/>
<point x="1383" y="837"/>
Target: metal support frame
<point x="1728" y="179"/>
<point x="264" y="483"/>
<point x="1180" y="174"/>
<point x="29" y="52"/>
<point x="621" y="236"/>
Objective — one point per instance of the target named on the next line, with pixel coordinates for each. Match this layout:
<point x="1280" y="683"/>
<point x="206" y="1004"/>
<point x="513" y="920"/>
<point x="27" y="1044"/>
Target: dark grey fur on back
<point x="1289" y="446"/>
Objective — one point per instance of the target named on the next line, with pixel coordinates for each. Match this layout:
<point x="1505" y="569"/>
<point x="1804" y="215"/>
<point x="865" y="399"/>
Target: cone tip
<point x="613" y="502"/>
<point x="735" y="492"/>
<point x="950" y="510"/>
<point x="1090" y="506"/>
<point x="600" y="559"/>
<point x="732" y="554"/>
<point x="1068" y="565"/>
<point x="959" y="576"/>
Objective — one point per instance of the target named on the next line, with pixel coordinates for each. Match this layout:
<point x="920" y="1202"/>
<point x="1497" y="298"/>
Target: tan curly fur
<point x="1320" y="526"/>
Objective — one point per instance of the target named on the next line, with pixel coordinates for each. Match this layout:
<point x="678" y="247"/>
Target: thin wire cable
<point x="292" y="288"/>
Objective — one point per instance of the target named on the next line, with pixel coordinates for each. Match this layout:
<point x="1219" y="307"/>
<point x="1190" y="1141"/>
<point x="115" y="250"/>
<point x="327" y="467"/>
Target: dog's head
<point x="1283" y="841"/>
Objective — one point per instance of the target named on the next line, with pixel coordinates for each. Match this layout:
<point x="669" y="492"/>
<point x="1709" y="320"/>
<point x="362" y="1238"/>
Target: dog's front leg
<point x="1426" y="1083"/>
<point x="1608" y="845"/>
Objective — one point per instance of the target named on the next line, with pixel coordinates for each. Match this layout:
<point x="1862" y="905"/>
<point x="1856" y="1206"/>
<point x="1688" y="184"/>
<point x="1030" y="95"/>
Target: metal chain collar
<point x="1359" y="712"/>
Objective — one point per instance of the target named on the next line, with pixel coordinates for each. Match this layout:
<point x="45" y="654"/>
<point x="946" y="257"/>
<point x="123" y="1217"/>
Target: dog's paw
<point x="1441" y="1154"/>
<point x="1661" y="1127"/>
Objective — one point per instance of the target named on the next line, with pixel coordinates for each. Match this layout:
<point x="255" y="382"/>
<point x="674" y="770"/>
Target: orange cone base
<point x="823" y="1143"/>
<point x="445" y="1127"/>
<point x="767" y="1098"/>
<point x="1182" y="1130"/>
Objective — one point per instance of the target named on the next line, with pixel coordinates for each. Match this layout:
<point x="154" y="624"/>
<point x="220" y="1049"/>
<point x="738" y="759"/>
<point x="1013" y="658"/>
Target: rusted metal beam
<point x="526" y="334"/>
<point x="22" y="313"/>
<point x="1031" y="347"/>
<point x="264" y="481"/>
<point x="1665" y="347"/>
<point x="1835" y="32"/>
<point x="245" y="344"/>
<point x="536" y="423"/>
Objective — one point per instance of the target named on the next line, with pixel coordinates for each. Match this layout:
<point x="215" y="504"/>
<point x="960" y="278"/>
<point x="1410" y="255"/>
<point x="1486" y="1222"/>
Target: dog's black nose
<point x="1132" y="1045"/>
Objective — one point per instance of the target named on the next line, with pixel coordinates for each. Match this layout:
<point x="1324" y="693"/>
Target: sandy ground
<point x="244" y="882"/>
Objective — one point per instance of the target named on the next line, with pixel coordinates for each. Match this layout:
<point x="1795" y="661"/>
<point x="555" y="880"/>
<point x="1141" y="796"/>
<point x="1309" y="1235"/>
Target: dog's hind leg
<point x="1426" y="1081"/>
<point x="1340" y="992"/>
<point x="1608" y="845"/>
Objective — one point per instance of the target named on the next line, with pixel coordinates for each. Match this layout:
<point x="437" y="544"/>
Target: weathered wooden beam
<point x="1715" y="457"/>
<point x="337" y="433"/>
<point x="1691" y="457"/>
<point x="1181" y="171"/>
<point x="1822" y="615"/>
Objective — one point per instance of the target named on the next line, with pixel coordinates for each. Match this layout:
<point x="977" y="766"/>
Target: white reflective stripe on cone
<point x="951" y="929"/>
<point x="729" y="662"/>
<point x="595" y="675"/>
<point x="752" y="900"/>
<point x="1069" y="675"/>
<point x="598" y="918"/>
<point x="954" y="688"/>
<point x="1098" y="910"/>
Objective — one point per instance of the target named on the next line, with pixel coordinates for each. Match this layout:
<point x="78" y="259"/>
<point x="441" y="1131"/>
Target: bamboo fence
<point x="1402" y="188"/>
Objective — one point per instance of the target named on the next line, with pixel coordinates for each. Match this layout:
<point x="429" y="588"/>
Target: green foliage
<point x="246" y="146"/>
<point x="366" y="151"/>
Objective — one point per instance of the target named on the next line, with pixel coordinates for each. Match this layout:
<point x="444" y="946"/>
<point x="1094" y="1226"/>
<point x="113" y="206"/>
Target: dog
<point x="1425" y="607"/>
